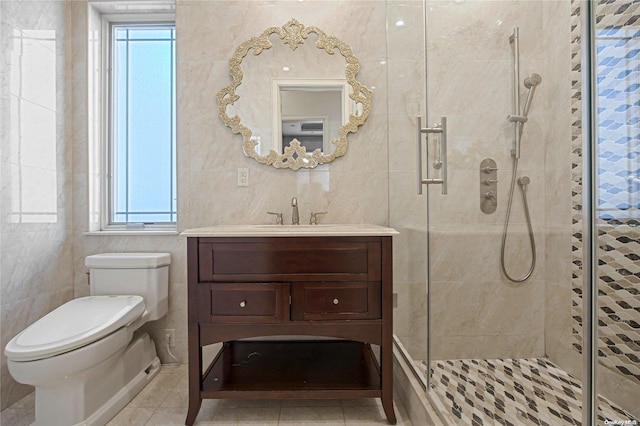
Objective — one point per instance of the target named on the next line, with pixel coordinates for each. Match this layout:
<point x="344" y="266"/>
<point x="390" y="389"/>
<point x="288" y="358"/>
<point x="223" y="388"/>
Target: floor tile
<point x="164" y="402"/>
<point x="312" y="416"/>
<point x="529" y="391"/>
<point x="132" y="416"/>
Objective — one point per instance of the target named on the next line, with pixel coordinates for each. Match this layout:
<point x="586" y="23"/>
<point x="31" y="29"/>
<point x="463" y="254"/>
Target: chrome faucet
<point x="295" y="218"/>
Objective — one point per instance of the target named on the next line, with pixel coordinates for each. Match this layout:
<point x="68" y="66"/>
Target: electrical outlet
<point x="170" y="335"/>
<point x="243" y="176"/>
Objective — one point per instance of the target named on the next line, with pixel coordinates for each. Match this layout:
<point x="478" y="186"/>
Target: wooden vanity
<point x="333" y="282"/>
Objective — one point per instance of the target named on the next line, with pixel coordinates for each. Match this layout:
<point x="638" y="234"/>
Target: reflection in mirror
<point x="283" y="84"/>
<point x="309" y="111"/>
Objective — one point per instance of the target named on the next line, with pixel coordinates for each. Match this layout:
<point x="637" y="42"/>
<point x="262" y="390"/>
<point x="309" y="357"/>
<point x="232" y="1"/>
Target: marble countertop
<point x="322" y="230"/>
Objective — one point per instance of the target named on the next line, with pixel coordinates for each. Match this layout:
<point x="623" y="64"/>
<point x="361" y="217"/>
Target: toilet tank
<point x="143" y="274"/>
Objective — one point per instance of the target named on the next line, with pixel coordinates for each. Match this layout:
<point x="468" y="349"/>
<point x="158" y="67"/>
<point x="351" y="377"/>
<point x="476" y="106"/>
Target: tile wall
<point x="36" y="257"/>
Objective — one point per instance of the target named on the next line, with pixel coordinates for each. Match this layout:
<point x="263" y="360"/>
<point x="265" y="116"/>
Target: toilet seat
<point x="73" y="325"/>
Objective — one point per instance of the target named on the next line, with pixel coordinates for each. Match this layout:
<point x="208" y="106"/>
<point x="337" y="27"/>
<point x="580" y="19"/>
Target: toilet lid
<point x="75" y="324"/>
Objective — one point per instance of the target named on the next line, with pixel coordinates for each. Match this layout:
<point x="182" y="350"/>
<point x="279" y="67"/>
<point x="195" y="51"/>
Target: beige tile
<point x="364" y="415"/>
<point x="156" y="391"/>
<point x="311" y="403"/>
<point x="246" y="415"/>
<point x="312" y="415"/>
<point x="18" y="416"/>
<point x="168" y="417"/>
<point x="361" y="402"/>
<point x="131" y="416"/>
<point x="28" y="402"/>
<point x="250" y="403"/>
<point x="176" y="398"/>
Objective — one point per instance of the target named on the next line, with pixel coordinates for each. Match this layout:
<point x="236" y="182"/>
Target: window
<point x="141" y="134"/>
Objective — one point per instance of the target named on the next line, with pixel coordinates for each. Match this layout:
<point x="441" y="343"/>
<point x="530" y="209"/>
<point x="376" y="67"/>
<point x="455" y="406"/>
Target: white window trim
<point x="103" y="199"/>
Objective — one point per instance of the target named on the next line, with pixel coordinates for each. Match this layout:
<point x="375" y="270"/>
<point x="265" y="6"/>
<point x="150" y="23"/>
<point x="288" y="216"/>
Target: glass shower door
<point x="616" y="149"/>
<point x="500" y="348"/>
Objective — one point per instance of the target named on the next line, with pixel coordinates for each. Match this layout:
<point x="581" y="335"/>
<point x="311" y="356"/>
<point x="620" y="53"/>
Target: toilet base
<point x="96" y="397"/>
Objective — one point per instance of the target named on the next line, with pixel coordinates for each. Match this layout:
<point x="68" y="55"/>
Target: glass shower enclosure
<point x="492" y="313"/>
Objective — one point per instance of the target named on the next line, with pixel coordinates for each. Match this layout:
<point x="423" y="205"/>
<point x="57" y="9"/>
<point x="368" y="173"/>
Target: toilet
<point x="85" y="358"/>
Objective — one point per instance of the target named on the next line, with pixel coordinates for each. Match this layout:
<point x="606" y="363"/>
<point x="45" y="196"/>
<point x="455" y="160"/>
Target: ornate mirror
<point x="294" y="103"/>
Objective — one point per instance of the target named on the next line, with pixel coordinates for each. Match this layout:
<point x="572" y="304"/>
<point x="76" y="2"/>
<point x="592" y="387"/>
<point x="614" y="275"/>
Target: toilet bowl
<point x="86" y="358"/>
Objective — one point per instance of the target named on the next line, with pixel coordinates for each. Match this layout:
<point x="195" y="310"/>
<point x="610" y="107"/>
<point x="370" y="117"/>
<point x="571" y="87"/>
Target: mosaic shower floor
<point x="514" y="392"/>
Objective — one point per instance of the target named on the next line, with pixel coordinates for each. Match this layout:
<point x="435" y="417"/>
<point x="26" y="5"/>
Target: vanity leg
<point x="387" y="384"/>
<point x="195" y="377"/>
<point x="386" y="348"/>
<point x="193" y="333"/>
<point x="194" y="408"/>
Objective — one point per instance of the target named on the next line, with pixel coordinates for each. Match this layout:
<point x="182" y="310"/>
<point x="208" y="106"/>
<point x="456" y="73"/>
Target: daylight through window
<point x="142" y="186"/>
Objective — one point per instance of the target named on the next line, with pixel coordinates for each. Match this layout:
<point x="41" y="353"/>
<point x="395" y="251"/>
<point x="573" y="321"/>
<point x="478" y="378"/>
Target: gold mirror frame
<point x="295" y="156"/>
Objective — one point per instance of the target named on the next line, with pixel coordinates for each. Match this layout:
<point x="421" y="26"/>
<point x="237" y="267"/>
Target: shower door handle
<point x="441" y="130"/>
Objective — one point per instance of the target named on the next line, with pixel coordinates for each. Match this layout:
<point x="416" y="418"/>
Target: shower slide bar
<point x="441" y="162"/>
<point x="517" y="118"/>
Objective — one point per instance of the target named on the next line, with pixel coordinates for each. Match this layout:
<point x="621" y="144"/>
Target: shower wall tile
<point x="483" y="310"/>
<point x="409" y="209"/>
<point x="557" y="266"/>
<point x="402" y="135"/>
<point x="558" y="202"/>
<point x="480" y="29"/>
<point x="469" y="65"/>
<point x="479" y="252"/>
<point x="487" y="347"/>
<point x="405" y="30"/>
<point x="405" y="101"/>
<point x="410" y="317"/>
<point x="555" y="92"/>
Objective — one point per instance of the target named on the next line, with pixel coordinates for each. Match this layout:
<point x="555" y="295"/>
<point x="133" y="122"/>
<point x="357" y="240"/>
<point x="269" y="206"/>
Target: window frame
<point x="107" y="122"/>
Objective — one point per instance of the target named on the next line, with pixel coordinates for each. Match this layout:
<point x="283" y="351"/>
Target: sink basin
<point x="291" y="227"/>
<point x="290" y="230"/>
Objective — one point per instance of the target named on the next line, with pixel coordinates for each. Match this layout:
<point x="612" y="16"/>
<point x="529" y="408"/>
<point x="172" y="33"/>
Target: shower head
<point x="524" y="180"/>
<point x="532" y="81"/>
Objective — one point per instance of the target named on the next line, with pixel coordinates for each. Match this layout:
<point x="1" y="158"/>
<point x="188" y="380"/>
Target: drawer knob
<point x="336" y="301"/>
<point x="243" y="303"/>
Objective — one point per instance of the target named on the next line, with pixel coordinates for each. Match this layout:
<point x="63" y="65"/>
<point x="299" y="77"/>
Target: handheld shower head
<point x="532" y="81"/>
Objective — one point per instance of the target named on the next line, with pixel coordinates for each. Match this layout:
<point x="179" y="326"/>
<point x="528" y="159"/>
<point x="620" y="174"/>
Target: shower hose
<point x="522" y="183"/>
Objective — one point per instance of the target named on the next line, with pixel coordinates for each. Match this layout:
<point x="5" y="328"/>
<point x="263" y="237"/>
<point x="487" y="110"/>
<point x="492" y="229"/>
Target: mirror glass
<point x="311" y="111"/>
<point x="294" y="97"/>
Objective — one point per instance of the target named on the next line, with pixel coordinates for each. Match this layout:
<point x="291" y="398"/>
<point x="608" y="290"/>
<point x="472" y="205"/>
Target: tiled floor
<point x="164" y="402"/>
<point x="514" y="392"/>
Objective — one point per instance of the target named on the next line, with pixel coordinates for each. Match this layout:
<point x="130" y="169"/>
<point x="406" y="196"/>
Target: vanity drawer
<point x="284" y="259"/>
<point x="335" y="300"/>
<point x="244" y="302"/>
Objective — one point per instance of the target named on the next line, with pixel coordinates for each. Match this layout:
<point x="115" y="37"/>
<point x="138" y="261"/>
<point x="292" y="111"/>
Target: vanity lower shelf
<point x="293" y="369"/>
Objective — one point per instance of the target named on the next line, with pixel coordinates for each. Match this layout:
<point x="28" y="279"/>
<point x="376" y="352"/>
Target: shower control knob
<point x="489" y="181"/>
<point x="489" y="195"/>
<point x="489" y="169"/>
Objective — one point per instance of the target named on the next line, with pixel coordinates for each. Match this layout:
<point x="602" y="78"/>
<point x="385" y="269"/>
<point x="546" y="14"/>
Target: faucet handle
<point x="313" y="220"/>
<point x="279" y="220"/>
